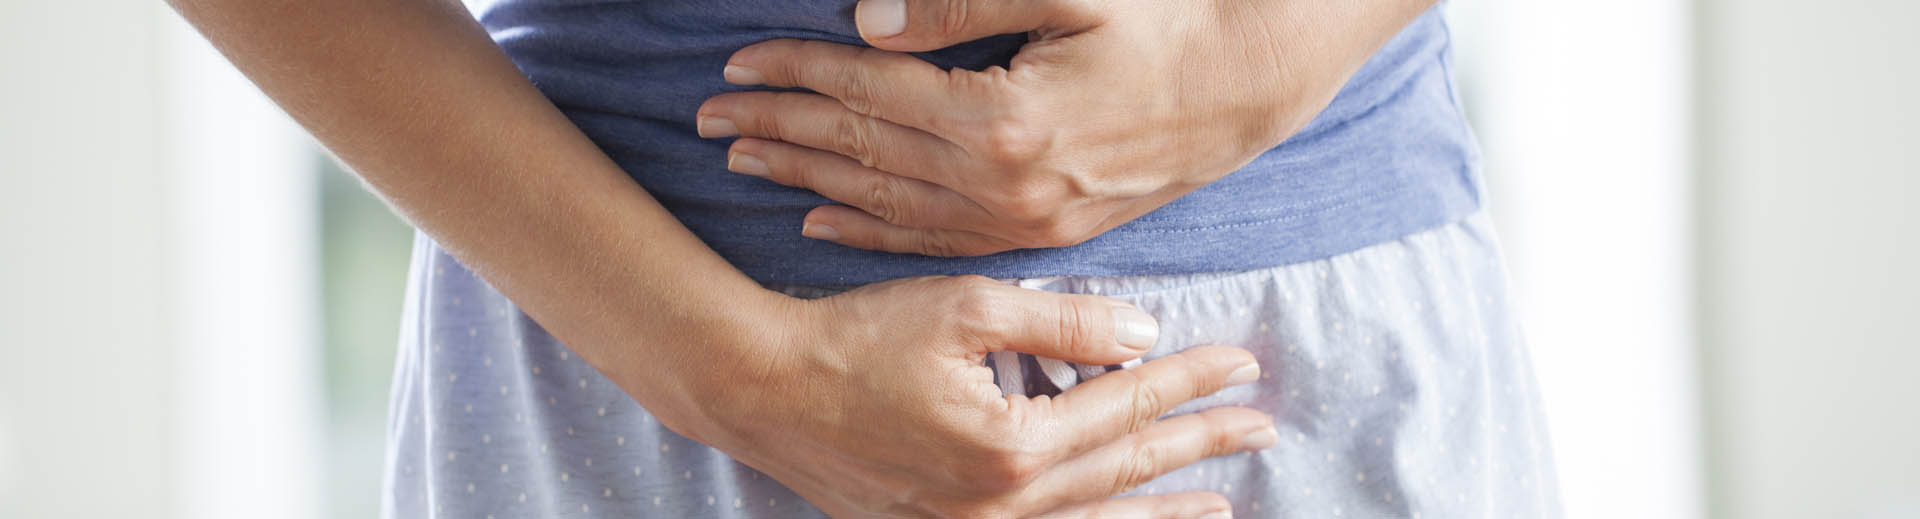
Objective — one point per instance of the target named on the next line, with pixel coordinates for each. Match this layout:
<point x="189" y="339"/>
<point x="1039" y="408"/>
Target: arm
<point x="425" y="108"/>
<point x="1113" y="109"/>
<point x="414" y="96"/>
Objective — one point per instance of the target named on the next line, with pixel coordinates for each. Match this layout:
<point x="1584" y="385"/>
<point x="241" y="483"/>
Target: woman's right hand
<point x="877" y="402"/>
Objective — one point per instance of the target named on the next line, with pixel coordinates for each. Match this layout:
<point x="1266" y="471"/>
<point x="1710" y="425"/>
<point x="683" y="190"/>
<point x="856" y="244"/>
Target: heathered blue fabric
<point x="1390" y="156"/>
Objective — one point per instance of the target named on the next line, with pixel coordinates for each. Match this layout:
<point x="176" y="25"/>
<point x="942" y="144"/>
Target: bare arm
<point x="421" y="103"/>
<point x="415" y="97"/>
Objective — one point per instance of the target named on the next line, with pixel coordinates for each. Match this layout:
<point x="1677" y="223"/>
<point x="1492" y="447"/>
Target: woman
<point x="715" y="362"/>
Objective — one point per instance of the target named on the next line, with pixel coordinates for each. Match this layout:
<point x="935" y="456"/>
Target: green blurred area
<point x="364" y="252"/>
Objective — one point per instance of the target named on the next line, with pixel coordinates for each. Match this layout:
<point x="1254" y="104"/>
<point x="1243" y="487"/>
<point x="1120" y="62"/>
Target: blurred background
<point x="1705" y="206"/>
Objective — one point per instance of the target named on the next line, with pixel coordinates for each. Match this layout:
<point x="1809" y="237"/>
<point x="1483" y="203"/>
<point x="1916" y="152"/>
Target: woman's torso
<point x="1391" y="155"/>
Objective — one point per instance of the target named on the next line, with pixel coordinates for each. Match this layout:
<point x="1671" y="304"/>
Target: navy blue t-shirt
<point x="1391" y="155"/>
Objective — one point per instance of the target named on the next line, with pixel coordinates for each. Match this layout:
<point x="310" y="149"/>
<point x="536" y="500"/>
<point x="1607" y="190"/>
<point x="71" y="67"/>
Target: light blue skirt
<point x="1397" y="377"/>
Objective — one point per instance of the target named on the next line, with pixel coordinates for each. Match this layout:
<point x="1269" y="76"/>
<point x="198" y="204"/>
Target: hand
<point x="869" y="402"/>
<point x="1113" y="109"/>
<point x="879" y="404"/>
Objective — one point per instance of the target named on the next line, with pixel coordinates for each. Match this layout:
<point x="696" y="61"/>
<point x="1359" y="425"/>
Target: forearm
<point x="423" y="106"/>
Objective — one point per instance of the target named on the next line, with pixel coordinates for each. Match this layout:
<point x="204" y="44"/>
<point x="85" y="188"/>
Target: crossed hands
<point x="876" y="402"/>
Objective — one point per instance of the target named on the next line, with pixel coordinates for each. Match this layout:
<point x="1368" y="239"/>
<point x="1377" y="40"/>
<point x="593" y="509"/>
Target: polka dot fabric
<point x="1396" y="378"/>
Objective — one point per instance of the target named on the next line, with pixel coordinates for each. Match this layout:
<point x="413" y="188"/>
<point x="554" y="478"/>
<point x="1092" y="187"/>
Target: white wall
<point x="85" y="427"/>
<point x="1583" y="111"/>
<point x="1811" y="265"/>
<point x="244" y="224"/>
<point x="155" y="286"/>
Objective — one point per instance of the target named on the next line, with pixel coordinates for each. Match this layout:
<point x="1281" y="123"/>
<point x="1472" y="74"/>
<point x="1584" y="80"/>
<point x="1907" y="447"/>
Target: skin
<point x="432" y="115"/>
<point x="415" y="97"/>
<point x="1114" y="108"/>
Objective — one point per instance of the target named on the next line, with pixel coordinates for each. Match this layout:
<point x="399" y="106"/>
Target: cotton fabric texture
<point x="1397" y="381"/>
<point x="1389" y="156"/>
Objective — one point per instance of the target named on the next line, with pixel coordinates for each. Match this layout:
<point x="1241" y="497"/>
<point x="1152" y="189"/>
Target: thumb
<point x="923" y="25"/>
<point x="1079" y="328"/>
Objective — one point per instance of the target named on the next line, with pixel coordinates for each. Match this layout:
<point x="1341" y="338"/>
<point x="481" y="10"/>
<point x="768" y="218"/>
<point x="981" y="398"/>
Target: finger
<point x="819" y="122"/>
<point x="895" y="199"/>
<point x="1184" y="505"/>
<point x="1122" y="402"/>
<point x="887" y="85"/>
<point x="855" y="228"/>
<point x="1163" y="447"/>
<point x="923" y="25"/>
<point x="1082" y="328"/>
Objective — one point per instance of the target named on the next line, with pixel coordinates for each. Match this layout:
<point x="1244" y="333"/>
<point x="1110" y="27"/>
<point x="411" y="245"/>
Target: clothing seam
<point x="1234" y="275"/>
<point x="1265" y="210"/>
<point x="1371" y="197"/>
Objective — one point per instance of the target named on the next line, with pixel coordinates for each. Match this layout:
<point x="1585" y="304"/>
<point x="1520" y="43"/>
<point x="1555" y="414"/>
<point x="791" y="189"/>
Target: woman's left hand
<point x="1114" y="108"/>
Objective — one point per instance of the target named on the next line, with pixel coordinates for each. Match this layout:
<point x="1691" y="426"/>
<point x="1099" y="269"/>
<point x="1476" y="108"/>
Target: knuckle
<point x="1138" y="468"/>
<point x="1179" y="379"/>
<point x="1219" y="441"/>
<point x="957" y="18"/>
<point x="1004" y="460"/>
<point x="1034" y="223"/>
<point x="1144" y="404"/>
<point x="1012" y="140"/>
<point x="1194" y="378"/>
<point x="853" y="137"/>
<point x="939" y="244"/>
<point x="1074" y="333"/>
<point x="793" y="169"/>
<point x="767" y="123"/>
<point x="1057" y="232"/>
<point x="1028" y="204"/>
<point x="1008" y="470"/>
<point x="1033" y="211"/>
<point x="786" y="61"/>
<point x="885" y="198"/>
<point x="855" y="87"/>
<point x="977" y="309"/>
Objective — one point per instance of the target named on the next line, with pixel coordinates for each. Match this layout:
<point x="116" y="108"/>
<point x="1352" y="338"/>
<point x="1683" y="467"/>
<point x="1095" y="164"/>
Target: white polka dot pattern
<point x="1395" y="376"/>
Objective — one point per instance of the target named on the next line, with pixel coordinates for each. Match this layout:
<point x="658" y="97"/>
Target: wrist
<point x="721" y="363"/>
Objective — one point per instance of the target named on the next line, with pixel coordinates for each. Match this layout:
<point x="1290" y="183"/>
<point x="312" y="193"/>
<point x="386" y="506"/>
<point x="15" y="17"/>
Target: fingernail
<point x="1246" y="374"/>
<point x="819" y="231"/>
<point x="739" y="75"/>
<point x="880" y="18"/>
<point x="746" y="164"/>
<point x="1261" y="439"/>
<point x="711" y="127"/>
<point x="1134" y="328"/>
